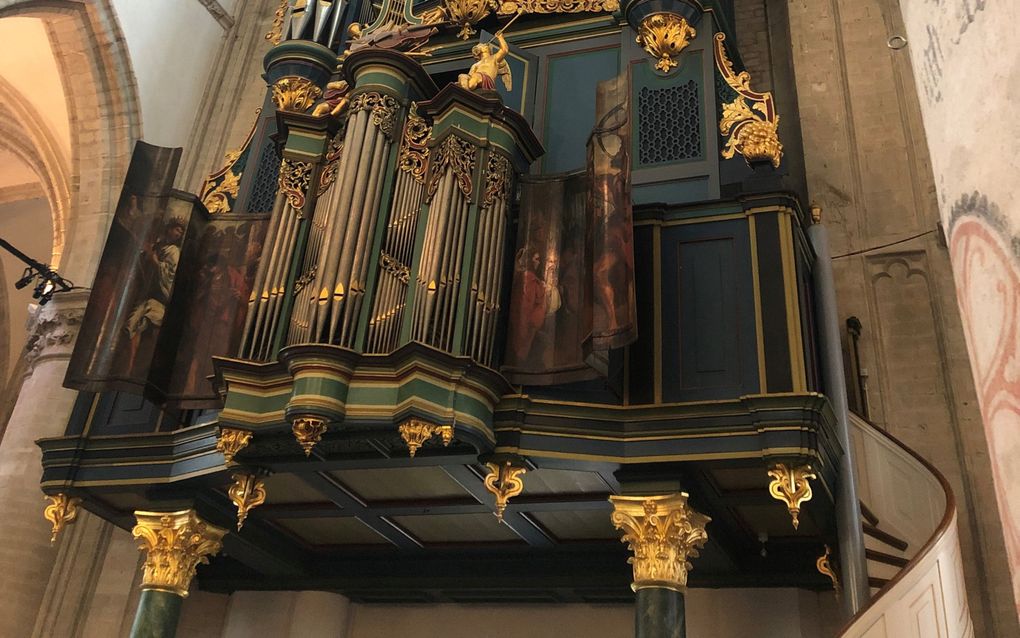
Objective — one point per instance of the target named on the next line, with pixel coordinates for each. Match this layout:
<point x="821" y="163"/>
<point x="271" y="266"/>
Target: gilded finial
<point x="824" y="566"/>
<point x="504" y="481"/>
<point x="308" y="431"/>
<point x="415" y="432"/>
<point x="61" y="511"/>
<point x="791" y="486"/>
<point x="231" y="441"/>
<point x="816" y="214"/>
<point x="247" y="493"/>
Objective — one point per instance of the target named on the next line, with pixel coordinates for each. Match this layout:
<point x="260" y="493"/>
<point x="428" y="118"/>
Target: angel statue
<point x="482" y="74"/>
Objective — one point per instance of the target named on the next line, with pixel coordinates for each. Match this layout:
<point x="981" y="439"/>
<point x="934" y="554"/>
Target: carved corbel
<point x="664" y="36"/>
<point x="415" y="432"/>
<point x="231" y="441"/>
<point x="308" y="431"/>
<point x="750" y="121"/>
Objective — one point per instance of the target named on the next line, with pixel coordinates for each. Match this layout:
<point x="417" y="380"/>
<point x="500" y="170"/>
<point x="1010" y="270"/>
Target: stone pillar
<point x="26" y="555"/>
<point x="663" y="532"/>
<point x="175" y="543"/>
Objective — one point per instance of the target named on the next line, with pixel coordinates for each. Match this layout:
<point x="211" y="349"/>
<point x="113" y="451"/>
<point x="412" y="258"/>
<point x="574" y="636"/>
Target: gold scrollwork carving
<point x="329" y="172"/>
<point x="791" y="486"/>
<point x="504" y="481"/>
<point x="175" y="544"/>
<point x="414" y="154"/>
<point x="295" y="178"/>
<point x="558" y="6"/>
<point x="460" y="156"/>
<point x="416" y="432"/>
<point x="295" y="94"/>
<point x="463" y="13"/>
<point x="753" y="130"/>
<point x="824" y="566"/>
<point x="664" y="36"/>
<point x="664" y="532"/>
<point x="275" y="34"/>
<point x="499" y="176"/>
<point x="247" y="493"/>
<point x="383" y="108"/>
<point x="61" y="512"/>
<point x="231" y="441"/>
<point x="308" y="431"/>
<point x="221" y="187"/>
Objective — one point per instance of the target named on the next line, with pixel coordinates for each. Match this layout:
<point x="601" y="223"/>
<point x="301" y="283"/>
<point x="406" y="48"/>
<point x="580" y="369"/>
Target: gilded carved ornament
<point x="460" y="157"/>
<point x="295" y="94"/>
<point x="61" y="511"/>
<point x="231" y="441"/>
<point x="466" y="13"/>
<point x="414" y="154"/>
<point x="753" y="130"/>
<point x="791" y="486"/>
<point x="221" y="187"/>
<point x="295" y="177"/>
<point x="664" y="532"/>
<point x="499" y="175"/>
<point x="308" y="431"/>
<point x="382" y="107"/>
<point x="174" y="544"/>
<point x="824" y="567"/>
<point x="415" y="432"/>
<point x="275" y="34"/>
<point x="504" y="481"/>
<point x="247" y="493"/>
<point x="664" y="36"/>
<point x="329" y="171"/>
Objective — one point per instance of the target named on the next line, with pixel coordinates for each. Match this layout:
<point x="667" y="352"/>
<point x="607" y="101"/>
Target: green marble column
<point x="157" y="616"/>
<point x="174" y="544"/>
<point x="664" y="533"/>
<point x="659" y="613"/>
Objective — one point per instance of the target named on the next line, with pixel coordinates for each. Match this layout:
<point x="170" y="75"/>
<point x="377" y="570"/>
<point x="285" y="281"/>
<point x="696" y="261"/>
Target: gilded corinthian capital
<point x="663" y="532"/>
<point x="174" y="544"/>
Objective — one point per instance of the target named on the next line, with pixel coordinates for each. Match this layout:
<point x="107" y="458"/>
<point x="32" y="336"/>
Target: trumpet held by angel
<point x="491" y="63"/>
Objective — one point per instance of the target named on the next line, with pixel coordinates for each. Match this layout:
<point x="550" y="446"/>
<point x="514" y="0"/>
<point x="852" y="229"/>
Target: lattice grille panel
<point x="669" y="126"/>
<point x="265" y="184"/>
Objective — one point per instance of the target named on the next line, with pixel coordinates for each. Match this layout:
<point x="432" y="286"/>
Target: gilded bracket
<point x="308" y="431"/>
<point x="753" y="130"/>
<point x="61" y="511"/>
<point x="824" y="566"/>
<point x="664" y="532"/>
<point x="460" y="156"/>
<point x="175" y="543"/>
<point x="416" y="432"/>
<point x="791" y="486"/>
<point x="664" y="36"/>
<point x="247" y="493"/>
<point x="231" y="441"/>
<point x="504" y="481"/>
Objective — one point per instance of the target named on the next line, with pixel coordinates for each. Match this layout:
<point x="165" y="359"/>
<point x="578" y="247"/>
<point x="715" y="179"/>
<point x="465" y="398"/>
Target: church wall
<point x="966" y="58"/>
<point x="171" y="44"/>
<point x="720" y="613"/>
<point x="866" y="166"/>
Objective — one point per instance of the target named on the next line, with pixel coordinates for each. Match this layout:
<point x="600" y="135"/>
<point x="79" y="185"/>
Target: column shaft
<point x="659" y="613"/>
<point x="157" y="616"/>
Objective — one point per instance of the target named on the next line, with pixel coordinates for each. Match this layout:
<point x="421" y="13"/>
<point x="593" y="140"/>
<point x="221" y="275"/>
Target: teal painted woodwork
<point x="570" y="105"/>
<point x="687" y="190"/>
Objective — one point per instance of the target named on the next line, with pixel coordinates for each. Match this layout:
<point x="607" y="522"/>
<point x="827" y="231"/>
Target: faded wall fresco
<point x="967" y="66"/>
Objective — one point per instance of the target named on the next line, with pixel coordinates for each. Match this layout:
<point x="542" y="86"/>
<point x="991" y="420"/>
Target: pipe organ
<point x="392" y="220"/>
